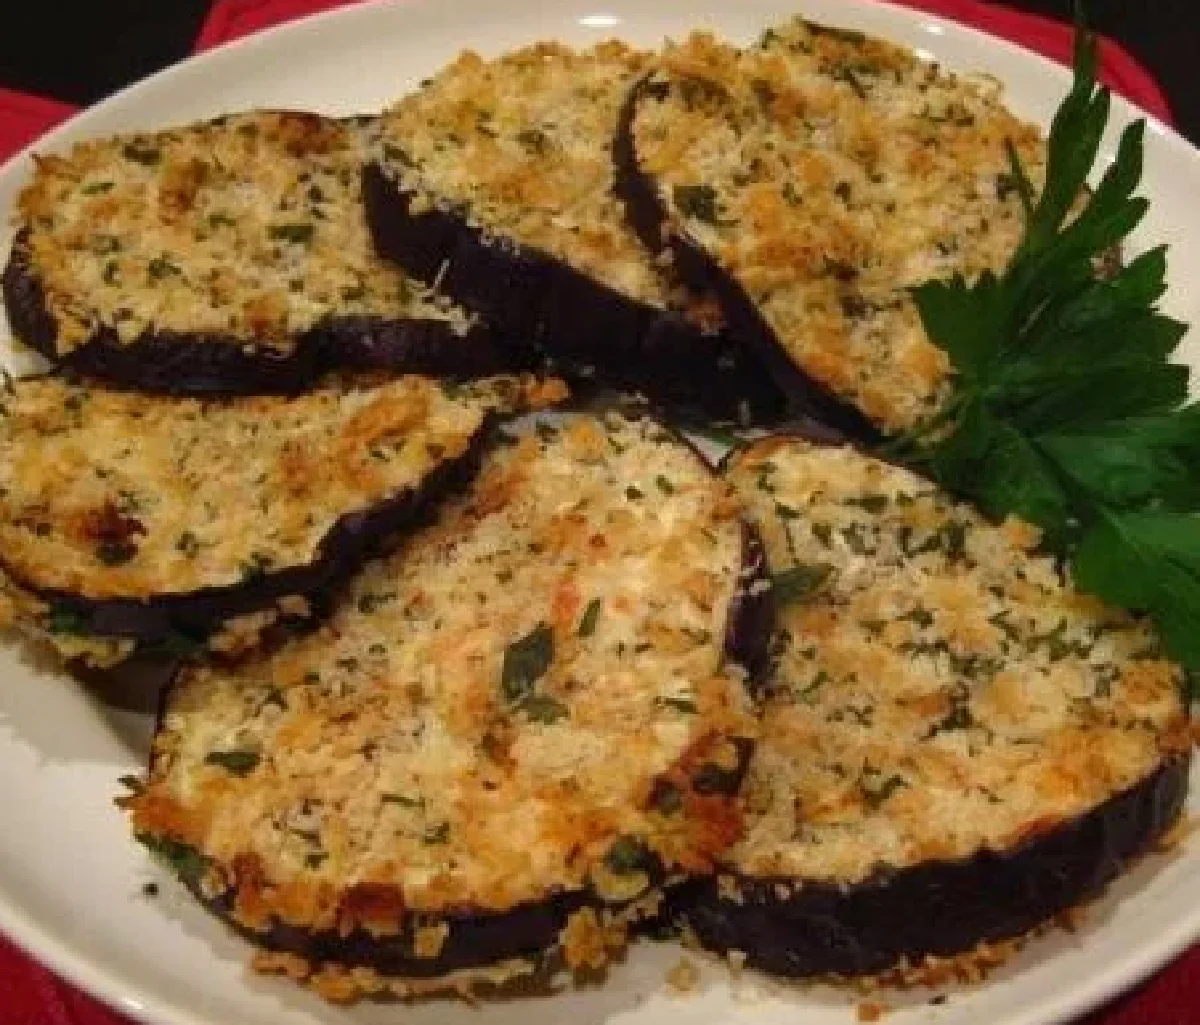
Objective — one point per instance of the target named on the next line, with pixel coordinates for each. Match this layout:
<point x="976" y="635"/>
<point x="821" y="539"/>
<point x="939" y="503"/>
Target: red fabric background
<point x="31" y="995"/>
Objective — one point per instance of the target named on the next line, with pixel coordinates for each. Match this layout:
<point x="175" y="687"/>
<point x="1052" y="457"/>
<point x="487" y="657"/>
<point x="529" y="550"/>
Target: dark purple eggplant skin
<point x="936" y="908"/>
<point x="650" y="219"/>
<point x="352" y="539"/>
<point x="178" y="363"/>
<point x="752" y="614"/>
<point x="578" y="327"/>
<point x="529" y="932"/>
<point x="477" y="938"/>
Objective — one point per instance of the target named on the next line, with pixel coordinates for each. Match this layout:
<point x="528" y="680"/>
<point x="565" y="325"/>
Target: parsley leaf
<point x="1066" y="409"/>
<point x="239" y="763"/>
<point x="183" y="859"/>
<point x="526" y="661"/>
<point x="1149" y="561"/>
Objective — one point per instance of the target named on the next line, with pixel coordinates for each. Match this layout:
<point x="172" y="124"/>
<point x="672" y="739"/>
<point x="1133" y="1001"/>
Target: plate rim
<point x="120" y="991"/>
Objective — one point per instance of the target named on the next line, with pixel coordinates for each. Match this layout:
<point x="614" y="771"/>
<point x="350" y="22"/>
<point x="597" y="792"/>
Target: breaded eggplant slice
<point x="495" y="180"/>
<point x="226" y="257"/>
<point x="142" y="516"/>
<point x="512" y="728"/>
<point x="809" y="182"/>
<point x="958" y="745"/>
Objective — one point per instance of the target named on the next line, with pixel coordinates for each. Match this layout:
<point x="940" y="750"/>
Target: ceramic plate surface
<point x="71" y="877"/>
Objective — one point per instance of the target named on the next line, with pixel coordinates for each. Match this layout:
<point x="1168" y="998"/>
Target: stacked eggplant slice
<point x="228" y="257"/>
<point x="496" y="181"/>
<point x="957" y="745"/>
<point x="809" y="182"/>
<point x="472" y="687"/>
<point x="128" y="518"/>
<point x="513" y="728"/>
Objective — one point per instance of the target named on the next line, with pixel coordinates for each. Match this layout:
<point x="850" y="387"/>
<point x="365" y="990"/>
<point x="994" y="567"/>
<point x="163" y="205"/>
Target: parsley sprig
<point x="1066" y="409"/>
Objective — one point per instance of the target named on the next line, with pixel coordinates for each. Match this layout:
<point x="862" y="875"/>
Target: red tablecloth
<point x="30" y="995"/>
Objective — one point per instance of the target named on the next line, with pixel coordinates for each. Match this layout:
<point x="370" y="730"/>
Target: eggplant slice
<point x="510" y="730"/>
<point x="957" y="746"/>
<point x="145" y="517"/>
<point x="809" y="182"/>
<point x="495" y="180"/>
<point x="226" y="257"/>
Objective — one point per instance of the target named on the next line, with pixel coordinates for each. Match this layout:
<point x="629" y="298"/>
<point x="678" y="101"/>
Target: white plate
<point x="71" y="877"/>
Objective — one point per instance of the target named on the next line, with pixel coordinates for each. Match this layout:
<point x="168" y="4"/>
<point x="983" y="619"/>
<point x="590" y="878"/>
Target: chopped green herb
<point x="184" y="860"/>
<point x="403" y="800"/>
<point x="526" y="662"/>
<point x="634" y="493"/>
<point x="810" y="689"/>
<point x="874" y="504"/>
<point x="174" y="644"/>
<point x="533" y="139"/>
<point x="627" y="855"/>
<point x="1001" y="622"/>
<point x="544" y="709"/>
<point x="922" y="617"/>
<point x="134" y="784"/>
<point x="958" y="718"/>
<point x="187" y="544"/>
<point x="97" y="188"/>
<point x="666" y="798"/>
<point x="698" y="201"/>
<point x="856" y="540"/>
<point x="794" y="585"/>
<point x="161" y="267"/>
<point x="664" y="485"/>
<point x="438" y="834"/>
<point x="849" y="36"/>
<point x="142" y="153"/>
<point x="876" y="791"/>
<point x="240" y="763"/>
<point x="61" y="620"/>
<point x="685" y="705"/>
<point x="300" y="234"/>
<point x="256" y="567"/>
<point x="845" y="73"/>
<point x="591" y="615"/>
<point x="369" y="603"/>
